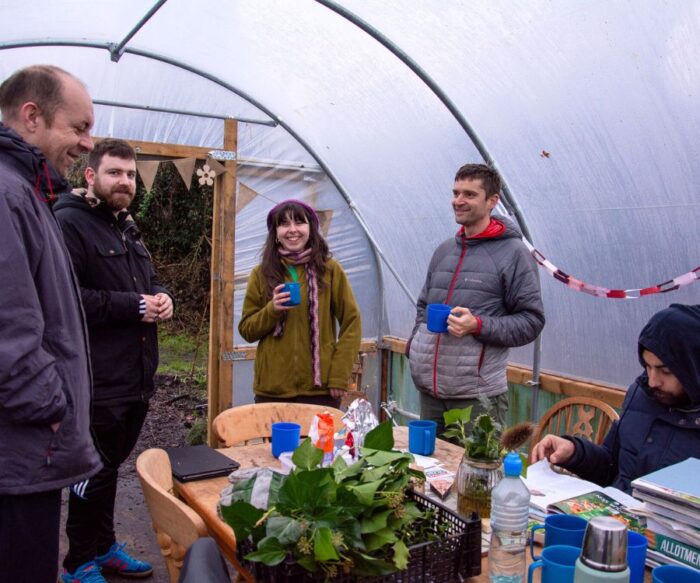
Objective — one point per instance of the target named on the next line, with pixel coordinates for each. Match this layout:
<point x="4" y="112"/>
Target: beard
<point x="116" y="198"/>
<point x="667" y="399"/>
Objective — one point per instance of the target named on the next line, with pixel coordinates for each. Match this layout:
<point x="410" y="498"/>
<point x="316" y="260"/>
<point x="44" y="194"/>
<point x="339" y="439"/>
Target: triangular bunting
<point x="325" y="218"/>
<point x="245" y="195"/>
<point x="148" y="170"/>
<point x="311" y="194"/>
<point x="215" y="166"/>
<point x="185" y="167"/>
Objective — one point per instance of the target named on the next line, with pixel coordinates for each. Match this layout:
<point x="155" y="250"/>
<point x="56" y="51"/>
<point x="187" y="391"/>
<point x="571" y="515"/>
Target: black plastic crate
<point x="454" y="557"/>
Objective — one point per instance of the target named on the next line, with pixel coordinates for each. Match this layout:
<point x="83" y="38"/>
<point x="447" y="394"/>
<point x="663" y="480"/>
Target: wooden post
<point x="220" y="374"/>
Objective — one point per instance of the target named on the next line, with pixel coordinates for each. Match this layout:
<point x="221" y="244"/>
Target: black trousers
<point x="90" y="524"/>
<point x="323" y="400"/>
<point x="29" y="526"/>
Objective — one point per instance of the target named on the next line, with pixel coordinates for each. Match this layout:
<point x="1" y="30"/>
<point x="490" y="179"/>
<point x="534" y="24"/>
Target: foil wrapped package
<point x="360" y="420"/>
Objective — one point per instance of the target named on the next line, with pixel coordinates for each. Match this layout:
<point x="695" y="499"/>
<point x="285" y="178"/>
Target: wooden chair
<point x="239" y="425"/>
<point x="177" y="526"/>
<point x="580" y="416"/>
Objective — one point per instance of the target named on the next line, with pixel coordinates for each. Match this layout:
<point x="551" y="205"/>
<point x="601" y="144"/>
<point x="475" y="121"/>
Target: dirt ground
<point x="170" y="417"/>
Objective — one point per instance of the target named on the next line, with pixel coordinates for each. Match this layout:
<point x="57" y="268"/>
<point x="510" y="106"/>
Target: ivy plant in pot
<point x="485" y="444"/>
<point x="336" y="520"/>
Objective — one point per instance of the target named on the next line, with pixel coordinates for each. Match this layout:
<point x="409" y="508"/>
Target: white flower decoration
<point x="206" y="175"/>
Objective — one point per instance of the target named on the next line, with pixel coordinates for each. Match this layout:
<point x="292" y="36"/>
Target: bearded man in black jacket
<point x="123" y="302"/>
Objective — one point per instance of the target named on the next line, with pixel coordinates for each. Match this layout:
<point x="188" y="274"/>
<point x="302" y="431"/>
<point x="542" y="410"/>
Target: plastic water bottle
<point x="510" y="507"/>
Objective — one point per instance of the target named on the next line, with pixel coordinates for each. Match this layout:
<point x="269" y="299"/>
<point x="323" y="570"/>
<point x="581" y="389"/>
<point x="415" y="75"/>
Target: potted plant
<point x="346" y="521"/>
<point x="484" y="446"/>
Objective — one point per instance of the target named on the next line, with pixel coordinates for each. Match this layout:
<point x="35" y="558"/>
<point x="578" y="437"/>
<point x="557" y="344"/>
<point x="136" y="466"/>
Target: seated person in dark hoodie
<point x="660" y="420"/>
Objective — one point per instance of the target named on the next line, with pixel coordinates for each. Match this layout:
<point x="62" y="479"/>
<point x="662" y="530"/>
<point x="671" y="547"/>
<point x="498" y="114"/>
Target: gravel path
<point x="167" y="424"/>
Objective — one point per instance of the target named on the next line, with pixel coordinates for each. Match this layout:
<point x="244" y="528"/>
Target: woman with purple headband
<point x="299" y="356"/>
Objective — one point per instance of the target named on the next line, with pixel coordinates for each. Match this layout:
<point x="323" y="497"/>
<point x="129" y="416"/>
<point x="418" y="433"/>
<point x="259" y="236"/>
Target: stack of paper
<point x="671" y="502"/>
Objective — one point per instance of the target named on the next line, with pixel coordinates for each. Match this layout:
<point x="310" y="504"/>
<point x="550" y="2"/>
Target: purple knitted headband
<point x="312" y="212"/>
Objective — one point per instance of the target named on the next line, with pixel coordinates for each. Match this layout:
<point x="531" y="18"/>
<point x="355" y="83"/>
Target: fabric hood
<point x="673" y="335"/>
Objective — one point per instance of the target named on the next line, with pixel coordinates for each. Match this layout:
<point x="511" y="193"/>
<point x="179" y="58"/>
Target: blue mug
<point x="674" y="574"/>
<point x="421" y="437"/>
<point x="558" y="564"/>
<point x="285" y="437"/>
<point x="294" y="293"/>
<point x="437" y="317"/>
<point x="636" y="555"/>
<point x="560" y="529"/>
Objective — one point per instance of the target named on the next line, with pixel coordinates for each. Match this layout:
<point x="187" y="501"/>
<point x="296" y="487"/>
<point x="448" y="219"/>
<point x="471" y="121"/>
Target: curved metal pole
<point x="117" y="50"/>
<point x="107" y="103"/>
<point x="440" y="94"/>
<point x="377" y="252"/>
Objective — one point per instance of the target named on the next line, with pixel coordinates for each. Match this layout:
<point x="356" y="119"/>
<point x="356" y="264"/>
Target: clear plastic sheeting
<point x="589" y="109"/>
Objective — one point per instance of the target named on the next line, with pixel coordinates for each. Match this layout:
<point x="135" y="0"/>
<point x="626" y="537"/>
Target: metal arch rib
<point x="117" y="50"/>
<point x="185" y="112"/>
<point x="441" y="95"/>
<point x="377" y="252"/>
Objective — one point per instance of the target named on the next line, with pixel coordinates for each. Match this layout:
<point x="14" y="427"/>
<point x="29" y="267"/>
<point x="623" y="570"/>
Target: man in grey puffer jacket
<point x="45" y="441"/>
<point x="488" y="277"/>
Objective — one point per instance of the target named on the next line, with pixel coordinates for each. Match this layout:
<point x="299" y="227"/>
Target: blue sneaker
<point x="117" y="560"/>
<point x="87" y="573"/>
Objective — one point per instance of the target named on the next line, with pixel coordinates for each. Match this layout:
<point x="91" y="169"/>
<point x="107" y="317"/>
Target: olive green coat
<point x="283" y="364"/>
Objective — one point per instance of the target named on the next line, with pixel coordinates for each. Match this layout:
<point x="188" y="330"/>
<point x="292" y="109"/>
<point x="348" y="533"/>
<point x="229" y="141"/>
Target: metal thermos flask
<point x="604" y="554"/>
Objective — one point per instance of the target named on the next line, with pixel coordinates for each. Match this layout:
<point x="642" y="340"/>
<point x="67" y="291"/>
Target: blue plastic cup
<point x="560" y="529"/>
<point x="294" y="293"/>
<point x="674" y="574"/>
<point x="558" y="564"/>
<point x="437" y="317"/>
<point x="636" y="555"/>
<point x="285" y="437"/>
<point x="421" y="437"/>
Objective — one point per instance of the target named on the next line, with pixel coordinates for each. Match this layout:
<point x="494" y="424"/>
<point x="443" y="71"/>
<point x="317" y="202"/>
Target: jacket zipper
<point x="481" y="359"/>
<point x="449" y="295"/>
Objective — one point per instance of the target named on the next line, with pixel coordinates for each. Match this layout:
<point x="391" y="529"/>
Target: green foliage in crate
<point x="342" y="518"/>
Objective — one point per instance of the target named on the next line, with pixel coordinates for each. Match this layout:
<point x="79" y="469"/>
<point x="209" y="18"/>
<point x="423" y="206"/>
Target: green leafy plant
<point x="487" y="441"/>
<point x="482" y="442"/>
<point x="339" y="519"/>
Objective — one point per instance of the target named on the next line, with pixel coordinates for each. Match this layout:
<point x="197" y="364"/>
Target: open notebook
<point x="199" y="462"/>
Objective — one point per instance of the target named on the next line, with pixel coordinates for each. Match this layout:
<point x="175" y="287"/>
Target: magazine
<point x="548" y="486"/>
<point x="692" y="515"/>
<point x="599" y="504"/>
<point x="678" y="521"/>
<point x="669" y="550"/>
<point x="677" y="483"/>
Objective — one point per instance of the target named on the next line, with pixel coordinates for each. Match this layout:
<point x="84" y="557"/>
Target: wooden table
<point x="203" y="495"/>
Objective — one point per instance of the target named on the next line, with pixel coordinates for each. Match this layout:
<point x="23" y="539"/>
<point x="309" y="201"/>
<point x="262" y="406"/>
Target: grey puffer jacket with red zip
<point x="496" y="278"/>
<point x="44" y="366"/>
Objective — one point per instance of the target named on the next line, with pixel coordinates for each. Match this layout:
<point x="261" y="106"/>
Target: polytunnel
<point x="366" y="109"/>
